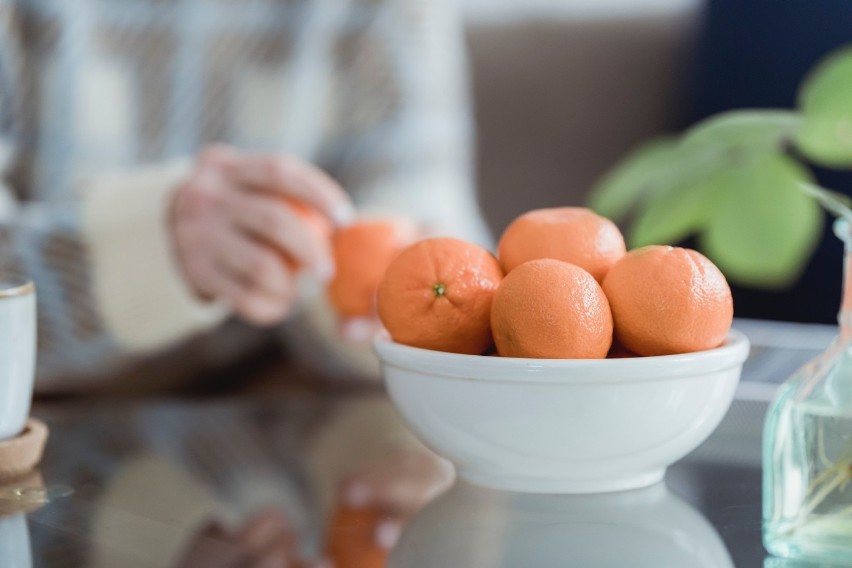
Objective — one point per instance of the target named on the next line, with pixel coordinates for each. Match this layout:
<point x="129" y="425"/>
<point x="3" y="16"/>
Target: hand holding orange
<point x="317" y="223"/>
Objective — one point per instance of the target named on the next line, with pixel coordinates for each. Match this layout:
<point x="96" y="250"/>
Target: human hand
<point x="230" y="224"/>
<point x="263" y="541"/>
<point x="359" y="330"/>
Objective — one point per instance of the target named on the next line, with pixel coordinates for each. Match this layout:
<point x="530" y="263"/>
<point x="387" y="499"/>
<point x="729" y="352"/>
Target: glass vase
<point x="807" y="449"/>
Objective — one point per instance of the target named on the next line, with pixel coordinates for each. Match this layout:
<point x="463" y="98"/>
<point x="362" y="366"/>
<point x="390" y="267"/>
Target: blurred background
<point x="564" y="88"/>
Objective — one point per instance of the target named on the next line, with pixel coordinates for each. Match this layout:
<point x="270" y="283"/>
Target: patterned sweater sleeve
<point x="401" y="118"/>
<point x="106" y="285"/>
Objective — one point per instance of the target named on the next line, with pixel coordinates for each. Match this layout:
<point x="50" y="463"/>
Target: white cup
<point x="17" y="352"/>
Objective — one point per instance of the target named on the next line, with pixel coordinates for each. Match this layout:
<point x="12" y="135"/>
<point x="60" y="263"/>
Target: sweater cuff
<point x="141" y="296"/>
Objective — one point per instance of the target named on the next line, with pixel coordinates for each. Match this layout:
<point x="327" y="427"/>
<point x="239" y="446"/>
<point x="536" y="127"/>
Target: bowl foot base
<point x="567" y="485"/>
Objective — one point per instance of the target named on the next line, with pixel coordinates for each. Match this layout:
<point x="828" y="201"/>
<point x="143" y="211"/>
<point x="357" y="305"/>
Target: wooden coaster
<point x="21" y="454"/>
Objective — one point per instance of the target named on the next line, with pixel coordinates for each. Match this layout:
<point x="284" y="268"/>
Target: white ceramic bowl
<point x="562" y="426"/>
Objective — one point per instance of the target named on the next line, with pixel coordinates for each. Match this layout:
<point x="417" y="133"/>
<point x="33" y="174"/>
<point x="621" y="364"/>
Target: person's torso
<point x="106" y="85"/>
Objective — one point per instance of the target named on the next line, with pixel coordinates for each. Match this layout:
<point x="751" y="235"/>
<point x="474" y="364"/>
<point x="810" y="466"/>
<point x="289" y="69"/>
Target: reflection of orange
<point x="573" y="234"/>
<point x="352" y="541"/>
<point x="668" y="300"/>
<point x="437" y="295"/>
<point x="551" y="309"/>
<point x="362" y="253"/>
<point x="317" y="223"/>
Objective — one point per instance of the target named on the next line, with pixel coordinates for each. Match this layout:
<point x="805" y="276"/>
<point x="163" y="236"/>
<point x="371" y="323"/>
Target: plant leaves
<point x="744" y="132"/>
<point x="645" y="169"/>
<point x="764" y="228"/>
<point x="663" y="165"/>
<point x="825" y="99"/>
<point x="675" y="215"/>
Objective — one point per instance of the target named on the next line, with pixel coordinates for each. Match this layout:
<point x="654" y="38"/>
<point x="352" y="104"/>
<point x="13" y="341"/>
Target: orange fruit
<point x="668" y="300"/>
<point x="551" y="309"/>
<point x="362" y="252"/>
<point x="437" y="295"/>
<point x="352" y="539"/>
<point x="317" y="224"/>
<point x="572" y="234"/>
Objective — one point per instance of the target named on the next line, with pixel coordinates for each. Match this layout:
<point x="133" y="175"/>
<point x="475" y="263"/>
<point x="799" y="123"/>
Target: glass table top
<point x="177" y="483"/>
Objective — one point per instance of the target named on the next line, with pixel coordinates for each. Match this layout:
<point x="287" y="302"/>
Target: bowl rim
<point x="732" y="353"/>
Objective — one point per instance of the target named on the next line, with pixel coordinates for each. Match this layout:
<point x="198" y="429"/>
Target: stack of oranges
<point x="562" y="287"/>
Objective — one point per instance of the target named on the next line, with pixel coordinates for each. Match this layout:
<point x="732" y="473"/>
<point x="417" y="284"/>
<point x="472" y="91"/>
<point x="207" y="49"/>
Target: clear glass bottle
<point x="807" y="449"/>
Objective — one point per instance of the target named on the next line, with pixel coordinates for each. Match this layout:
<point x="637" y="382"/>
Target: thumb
<point x="358" y="329"/>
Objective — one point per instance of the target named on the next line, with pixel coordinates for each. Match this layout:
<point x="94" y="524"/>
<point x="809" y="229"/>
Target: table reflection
<point x="476" y="527"/>
<point x="774" y="562"/>
<point x="15" y="542"/>
<point x="19" y="496"/>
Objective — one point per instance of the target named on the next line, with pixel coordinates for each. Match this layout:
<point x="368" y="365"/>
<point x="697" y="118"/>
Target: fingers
<point x="278" y="224"/>
<point x="401" y="485"/>
<point x="212" y="547"/>
<point x="294" y="178"/>
<point x="255" y="308"/>
<point x="237" y="242"/>
<point x="359" y="329"/>
<point x="265" y="529"/>
<point x="254" y="265"/>
<point x="277" y="554"/>
<point x="246" y="276"/>
<point x="269" y="541"/>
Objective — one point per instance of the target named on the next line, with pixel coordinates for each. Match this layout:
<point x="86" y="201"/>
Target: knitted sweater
<point x="103" y="104"/>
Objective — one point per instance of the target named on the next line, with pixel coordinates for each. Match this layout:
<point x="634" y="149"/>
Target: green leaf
<point x="764" y="227"/>
<point x="744" y="132"/>
<point x="643" y="170"/>
<point x="664" y="165"/>
<point x="675" y="215"/>
<point x="825" y="100"/>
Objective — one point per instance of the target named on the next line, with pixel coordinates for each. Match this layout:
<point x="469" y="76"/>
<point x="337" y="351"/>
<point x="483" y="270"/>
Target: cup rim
<point x="14" y="284"/>
<point x="732" y="353"/>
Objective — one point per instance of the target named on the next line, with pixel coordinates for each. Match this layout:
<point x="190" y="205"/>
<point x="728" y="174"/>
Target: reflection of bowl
<point x="485" y="528"/>
<point x="562" y="426"/>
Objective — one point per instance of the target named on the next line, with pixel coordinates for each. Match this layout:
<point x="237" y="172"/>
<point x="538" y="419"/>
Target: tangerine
<point x="668" y="300"/>
<point x="352" y="541"/>
<point x="437" y="295"/>
<point x="362" y="252"/>
<point x="571" y="234"/>
<point x="551" y="309"/>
